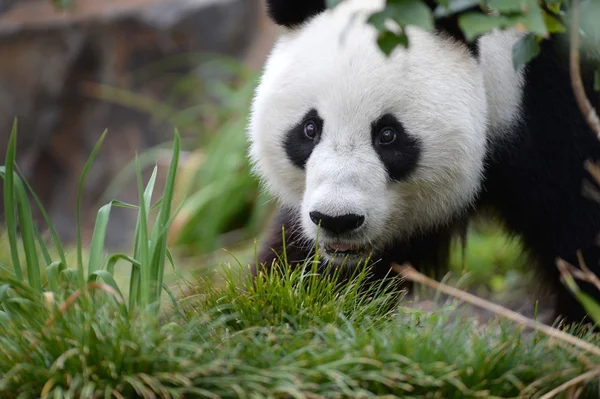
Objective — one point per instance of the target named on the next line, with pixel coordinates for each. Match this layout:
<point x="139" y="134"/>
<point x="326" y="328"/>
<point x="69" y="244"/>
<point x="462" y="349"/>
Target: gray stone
<point x="54" y="65"/>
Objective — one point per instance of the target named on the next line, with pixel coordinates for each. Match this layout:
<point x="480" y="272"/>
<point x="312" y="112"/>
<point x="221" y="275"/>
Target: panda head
<point x="371" y="148"/>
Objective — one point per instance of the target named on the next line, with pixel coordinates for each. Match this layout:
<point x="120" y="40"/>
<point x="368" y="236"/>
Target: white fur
<point x="434" y="88"/>
<point x="503" y="84"/>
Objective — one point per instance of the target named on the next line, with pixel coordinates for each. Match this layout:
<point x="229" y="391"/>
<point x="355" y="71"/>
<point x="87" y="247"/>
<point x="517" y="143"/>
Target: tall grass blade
<point x="172" y="298"/>
<point x="43" y="247"/>
<point x="159" y="233"/>
<point x="134" y="282"/>
<point x="99" y="234"/>
<point x="9" y="200"/>
<point x="98" y="238"/>
<point x="27" y="235"/>
<point x="8" y="270"/>
<point x="112" y="261"/>
<point x="86" y="169"/>
<point x="53" y="233"/>
<point x="146" y="279"/>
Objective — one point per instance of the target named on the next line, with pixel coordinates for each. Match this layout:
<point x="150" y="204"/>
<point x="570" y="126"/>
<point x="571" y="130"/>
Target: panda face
<point x="367" y="149"/>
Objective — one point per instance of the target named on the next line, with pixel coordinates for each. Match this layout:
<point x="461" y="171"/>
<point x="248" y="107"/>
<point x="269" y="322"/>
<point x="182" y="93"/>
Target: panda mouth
<point x="344" y="250"/>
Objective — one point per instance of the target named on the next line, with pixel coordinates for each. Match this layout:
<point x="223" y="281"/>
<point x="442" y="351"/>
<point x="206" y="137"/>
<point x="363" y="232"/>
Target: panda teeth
<point x="342" y="248"/>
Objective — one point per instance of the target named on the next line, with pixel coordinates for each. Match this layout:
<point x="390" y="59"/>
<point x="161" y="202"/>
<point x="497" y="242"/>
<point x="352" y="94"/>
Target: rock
<point x="57" y="69"/>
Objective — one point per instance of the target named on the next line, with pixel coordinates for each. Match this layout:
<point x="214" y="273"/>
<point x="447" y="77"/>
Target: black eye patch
<point x="301" y="140"/>
<point x="399" y="152"/>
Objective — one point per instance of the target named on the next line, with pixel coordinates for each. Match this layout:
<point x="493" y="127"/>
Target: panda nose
<point x="337" y="224"/>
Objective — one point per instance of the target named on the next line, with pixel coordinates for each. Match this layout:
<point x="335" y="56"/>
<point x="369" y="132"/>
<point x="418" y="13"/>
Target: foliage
<point x="295" y="334"/>
<point x="491" y="262"/>
<point x="539" y="18"/>
<point x="148" y="258"/>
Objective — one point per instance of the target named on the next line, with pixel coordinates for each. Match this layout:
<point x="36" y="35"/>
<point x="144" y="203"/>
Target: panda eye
<point x="387" y="136"/>
<point x="310" y="130"/>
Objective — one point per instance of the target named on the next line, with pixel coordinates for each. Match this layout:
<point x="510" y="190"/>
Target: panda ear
<point x="292" y="13"/>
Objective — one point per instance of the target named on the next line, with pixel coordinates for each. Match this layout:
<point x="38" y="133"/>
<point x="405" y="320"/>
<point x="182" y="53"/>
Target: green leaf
<point x="404" y="13"/>
<point x="529" y="17"/>
<point x="533" y="18"/>
<point x="553" y="24"/>
<point x="474" y="24"/>
<point x="506" y="6"/>
<point x="453" y="7"/>
<point x="388" y="41"/>
<point x="597" y="80"/>
<point x="525" y="50"/>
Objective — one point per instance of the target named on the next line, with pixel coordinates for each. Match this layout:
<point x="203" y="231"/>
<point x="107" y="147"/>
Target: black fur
<point x="298" y="146"/>
<point x="401" y="156"/>
<point x="292" y="13"/>
<point x="533" y="184"/>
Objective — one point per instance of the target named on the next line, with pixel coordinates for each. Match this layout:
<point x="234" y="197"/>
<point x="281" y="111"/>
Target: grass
<point x="69" y="329"/>
<point x="296" y="336"/>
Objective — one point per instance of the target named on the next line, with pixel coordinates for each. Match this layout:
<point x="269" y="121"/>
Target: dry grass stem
<point x="572" y="383"/>
<point x="411" y="274"/>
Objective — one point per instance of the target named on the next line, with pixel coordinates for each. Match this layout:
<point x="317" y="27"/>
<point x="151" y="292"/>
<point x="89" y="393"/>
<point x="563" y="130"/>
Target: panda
<point x="387" y="158"/>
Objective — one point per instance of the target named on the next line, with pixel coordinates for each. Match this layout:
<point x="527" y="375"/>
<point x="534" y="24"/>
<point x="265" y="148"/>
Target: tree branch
<point x="584" y="104"/>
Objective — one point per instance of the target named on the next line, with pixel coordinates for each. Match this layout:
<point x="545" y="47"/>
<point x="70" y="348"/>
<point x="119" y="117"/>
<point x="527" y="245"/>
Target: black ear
<point x="291" y="13"/>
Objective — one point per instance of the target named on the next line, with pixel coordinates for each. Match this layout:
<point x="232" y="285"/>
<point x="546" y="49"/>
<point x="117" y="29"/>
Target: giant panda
<point x="387" y="158"/>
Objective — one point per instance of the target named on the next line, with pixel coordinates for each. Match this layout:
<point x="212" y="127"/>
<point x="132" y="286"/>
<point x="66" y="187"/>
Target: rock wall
<point x="53" y="64"/>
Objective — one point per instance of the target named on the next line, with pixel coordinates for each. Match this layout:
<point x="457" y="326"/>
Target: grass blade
<point x="173" y="299"/>
<point x="9" y="198"/>
<point x="43" y="247"/>
<point x="54" y="234"/>
<point x="146" y="199"/>
<point x="27" y="235"/>
<point x="159" y="238"/>
<point x="98" y="238"/>
<point x="84" y="173"/>
<point x="147" y="282"/>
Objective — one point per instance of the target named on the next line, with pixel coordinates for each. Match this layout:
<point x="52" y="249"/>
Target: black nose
<point x="337" y="224"/>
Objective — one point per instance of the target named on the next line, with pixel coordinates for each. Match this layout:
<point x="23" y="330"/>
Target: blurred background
<point x="69" y="69"/>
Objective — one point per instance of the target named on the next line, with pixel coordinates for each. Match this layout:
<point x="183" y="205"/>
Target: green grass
<point x="299" y="335"/>
<point x="46" y="274"/>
